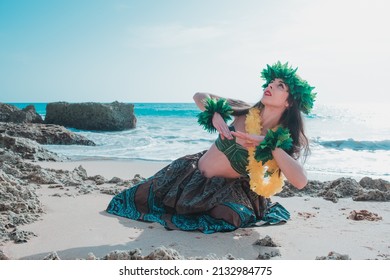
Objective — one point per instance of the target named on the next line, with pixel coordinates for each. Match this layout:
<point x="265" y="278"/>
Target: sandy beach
<point x="76" y="226"/>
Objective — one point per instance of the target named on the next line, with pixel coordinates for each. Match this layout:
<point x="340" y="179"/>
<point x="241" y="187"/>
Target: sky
<point x="165" y="51"/>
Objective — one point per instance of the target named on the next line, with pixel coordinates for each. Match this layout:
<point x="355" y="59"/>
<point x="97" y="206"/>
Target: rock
<point x="19" y="180"/>
<point x="115" y="180"/>
<point x="342" y="187"/>
<point x="134" y="254"/>
<point x="19" y="205"/>
<point x="373" y="190"/>
<point x="312" y="188"/>
<point x="52" y="256"/>
<point x="20" y="236"/>
<point x="334" y="256"/>
<point x="91" y="257"/>
<point x="372" y="195"/>
<point x="163" y="253"/>
<point x="367" y="189"/>
<point x="375" y="184"/>
<point x="213" y="256"/>
<point x="266" y="241"/>
<point x="45" y="134"/>
<point x="137" y="179"/>
<point x="111" y="190"/>
<point x="268" y="255"/>
<point x="92" y="116"/>
<point x="160" y="253"/>
<point x="3" y="256"/>
<point x="98" y="179"/>
<point x="10" y="113"/>
<point x="31" y="115"/>
<point x="27" y="149"/>
<point x="81" y="172"/>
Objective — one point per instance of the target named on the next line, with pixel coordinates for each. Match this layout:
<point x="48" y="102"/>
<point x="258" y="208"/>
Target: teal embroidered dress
<point x="180" y="197"/>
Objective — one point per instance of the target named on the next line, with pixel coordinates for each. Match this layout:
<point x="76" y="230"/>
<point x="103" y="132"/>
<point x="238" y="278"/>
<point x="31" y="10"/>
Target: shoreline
<point x="76" y="226"/>
<point x="109" y="168"/>
<point x="149" y="168"/>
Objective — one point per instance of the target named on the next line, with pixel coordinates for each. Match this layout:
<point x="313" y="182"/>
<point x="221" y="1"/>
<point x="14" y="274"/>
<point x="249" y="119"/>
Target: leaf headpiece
<point x="298" y="88"/>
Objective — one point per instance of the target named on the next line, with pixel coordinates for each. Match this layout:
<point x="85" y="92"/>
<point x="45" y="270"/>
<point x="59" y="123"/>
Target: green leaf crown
<point x="298" y="88"/>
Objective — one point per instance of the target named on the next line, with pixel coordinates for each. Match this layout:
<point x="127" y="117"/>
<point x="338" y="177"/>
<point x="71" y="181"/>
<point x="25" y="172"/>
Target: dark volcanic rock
<point x="375" y="184"/>
<point x="312" y="188"/>
<point x="92" y="116"/>
<point x="45" y="134"/>
<point x="10" y="113"/>
<point x="367" y="189"/>
<point x="373" y="189"/>
<point x="339" y="188"/>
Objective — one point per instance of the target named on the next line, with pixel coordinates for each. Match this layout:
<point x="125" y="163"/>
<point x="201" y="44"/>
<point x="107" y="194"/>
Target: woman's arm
<point x="236" y="104"/>
<point x="290" y="167"/>
<point x="218" y="121"/>
<point x="200" y="99"/>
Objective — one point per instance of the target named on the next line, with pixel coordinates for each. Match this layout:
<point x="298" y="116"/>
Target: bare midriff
<point x="214" y="163"/>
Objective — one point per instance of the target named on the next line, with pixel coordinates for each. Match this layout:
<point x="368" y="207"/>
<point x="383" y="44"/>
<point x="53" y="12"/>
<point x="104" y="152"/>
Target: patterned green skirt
<point x="180" y="197"/>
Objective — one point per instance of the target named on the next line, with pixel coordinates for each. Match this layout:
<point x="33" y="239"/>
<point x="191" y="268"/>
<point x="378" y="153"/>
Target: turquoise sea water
<point x="347" y="140"/>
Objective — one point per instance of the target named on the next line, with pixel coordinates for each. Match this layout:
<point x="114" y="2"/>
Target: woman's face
<point x="276" y="94"/>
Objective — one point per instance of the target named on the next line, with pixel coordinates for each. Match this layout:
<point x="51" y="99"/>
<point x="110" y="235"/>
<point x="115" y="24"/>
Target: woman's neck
<point x="270" y="117"/>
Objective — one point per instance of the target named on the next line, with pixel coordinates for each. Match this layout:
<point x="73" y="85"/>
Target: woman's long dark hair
<point x="291" y="119"/>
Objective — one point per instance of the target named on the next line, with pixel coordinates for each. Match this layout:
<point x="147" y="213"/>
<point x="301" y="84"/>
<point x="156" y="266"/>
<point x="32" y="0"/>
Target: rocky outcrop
<point x="367" y="189"/>
<point x="160" y="253"/>
<point x="20" y="180"/>
<point x="27" y="149"/>
<point x="44" y="134"/>
<point x="10" y="113"/>
<point x="92" y="116"/>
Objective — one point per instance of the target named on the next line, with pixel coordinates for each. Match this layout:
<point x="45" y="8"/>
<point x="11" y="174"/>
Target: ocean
<point x="345" y="140"/>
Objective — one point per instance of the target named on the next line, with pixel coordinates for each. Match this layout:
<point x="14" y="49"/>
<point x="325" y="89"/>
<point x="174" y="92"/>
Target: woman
<point x="228" y="186"/>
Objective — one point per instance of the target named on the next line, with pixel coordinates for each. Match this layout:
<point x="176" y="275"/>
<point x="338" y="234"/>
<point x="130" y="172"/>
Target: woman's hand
<point x="247" y="140"/>
<point x="221" y="127"/>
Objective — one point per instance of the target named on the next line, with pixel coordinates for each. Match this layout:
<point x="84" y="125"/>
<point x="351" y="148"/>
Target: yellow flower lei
<point x="256" y="170"/>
